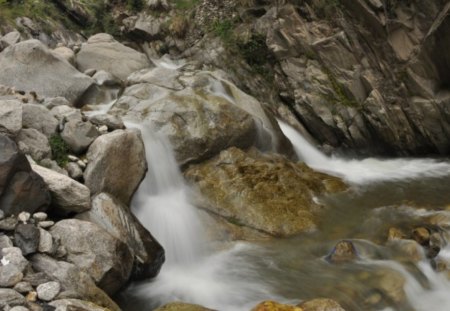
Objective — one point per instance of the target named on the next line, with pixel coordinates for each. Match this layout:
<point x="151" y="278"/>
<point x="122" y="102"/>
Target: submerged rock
<point x="181" y="306"/>
<point x="344" y="251"/>
<point x="275" y="306"/>
<point x="320" y="304"/>
<point x="264" y="192"/>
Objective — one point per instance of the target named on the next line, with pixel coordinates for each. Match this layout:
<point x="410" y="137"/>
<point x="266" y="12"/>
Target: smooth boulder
<point x="38" y="117"/>
<point x="79" y="135"/>
<point x="116" y="164"/>
<point x="31" y="66"/>
<point x="10" y="116"/>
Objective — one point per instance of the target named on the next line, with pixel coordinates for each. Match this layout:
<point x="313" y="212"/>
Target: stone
<point x="143" y="26"/>
<point x="74" y="171"/>
<point x="65" y="53"/>
<point x="31" y="66"/>
<point x="5" y="241"/>
<point x="14" y="256"/>
<point x="34" y="143"/>
<point x="395" y="234"/>
<point x="8" y="224"/>
<point x="344" y="251"/>
<point x="24" y="217"/>
<point x="116" y="218"/>
<point x="48" y="291"/>
<point x="9" y="39"/>
<point x="40" y="216"/>
<point x="26" y="237"/>
<point x="75" y="304"/>
<point x="106" y="259"/>
<point x="52" y="102"/>
<point x="23" y="287"/>
<point x="181" y="306"/>
<point x="275" y="306"/>
<point x="103" y="129"/>
<point x="67" y="194"/>
<point x="2" y="215"/>
<point x="105" y="78"/>
<point x="10" y="116"/>
<point x="19" y="308"/>
<point x="36" y="278"/>
<point x="52" y="165"/>
<point x="46" y="224"/>
<point x="10" y="275"/>
<point x="320" y="304"/>
<point x="79" y="135"/>
<point x="46" y="244"/>
<point x="239" y="187"/>
<point x="65" y="113"/>
<point x="9" y="297"/>
<point x="112" y="122"/>
<point x="31" y="296"/>
<point x="39" y="118"/>
<point x="421" y="235"/>
<point x="112" y="170"/>
<point x="102" y="52"/>
<point x="74" y="282"/>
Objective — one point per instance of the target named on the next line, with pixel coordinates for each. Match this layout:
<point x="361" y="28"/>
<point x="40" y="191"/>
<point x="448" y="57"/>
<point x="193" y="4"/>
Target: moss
<point x="339" y="90"/>
<point x="184" y="4"/>
<point x="60" y="150"/>
<point x="257" y="55"/>
<point x="224" y="30"/>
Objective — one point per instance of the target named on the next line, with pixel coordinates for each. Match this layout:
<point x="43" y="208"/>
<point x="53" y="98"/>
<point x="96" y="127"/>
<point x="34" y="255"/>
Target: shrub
<point x="60" y="150"/>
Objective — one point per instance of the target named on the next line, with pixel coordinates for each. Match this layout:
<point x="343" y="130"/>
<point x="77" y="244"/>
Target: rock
<point x="48" y="291"/>
<point x="395" y="234"/>
<point x="46" y="224"/>
<point x="14" y="256"/>
<point x="10" y="275"/>
<point x="421" y="235"/>
<point x="320" y="304"/>
<point x="74" y="171"/>
<point x="106" y="259"/>
<point x="64" y="113"/>
<point x="40" y="216"/>
<point x="5" y="241"/>
<point x="19" y="308"/>
<point x="10" y="116"/>
<point x="344" y="251"/>
<point x="34" y="143"/>
<point x="53" y="166"/>
<point x="9" y="39"/>
<point x="117" y="220"/>
<point x="31" y="66"/>
<point x="36" y="279"/>
<point x="103" y="129"/>
<point x="26" y="237"/>
<point x="23" y="287"/>
<point x="79" y="135"/>
<point x="65" y="53"/>
<point x="75" y="304"/>
<point x="46" y="244"/>
<point x="31" y="296"/>
<point x="2" y="215"/>
<point x="39" y="118"/>
<point x="9" y="297"/>
<point x="52" y="102"/>
<point x="180" y="306"/>
<point x="112" y="170"/>
<point x="8" y="224"/>
<point x="408" y="250"/>
<point x="74" y="282"/>
<point x="24" y="217"/>
<point x="102" y="52"/>
<point x="112" y="122"/>
<point x="105" y="78"/>
<point x="239" y="186"/>
<point x="143" y="26"/>
<point x="275" y="306"/>
<point x="67" y="194"/>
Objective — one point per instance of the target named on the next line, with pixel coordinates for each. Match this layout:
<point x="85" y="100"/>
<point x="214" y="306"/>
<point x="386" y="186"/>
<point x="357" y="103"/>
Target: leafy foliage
<point x="60" y="150"/>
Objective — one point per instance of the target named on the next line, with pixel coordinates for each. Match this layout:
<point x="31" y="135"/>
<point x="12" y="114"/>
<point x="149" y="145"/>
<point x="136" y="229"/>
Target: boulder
<point x="181" y="306"/>
<point x="74" y="282"/>
<point x="48" y="291"/>
<point x="34" y="143"/>
<point x="26" y="237"/>
<point x="275" y="306"/>
<point x="102" y="52"/>
<point x="344" y="251"/>
<point x="116" y="164"/>
<point x="64" y="113"/>
<point x="75" y="304"/>
<point x="67" y="194"/>
<point x="11" y="298"/>
<point x="105" y="258"/>
<point x="114" y="217"/>
<point x="74" y="171"/>
<point x="10" y="275"/>
<point x="239" y="186"/>
<point x="112" y="122"/>
<point x="38" y="117"/>
<point x="20" y="188"/>
<point x="321" y="304"/>
<point x="105" y="78"/>
<point x="65" y="53"/>
<point x="79" y="135"/>
<point x="10" y="116"/>
<point x="9" y="39"/>
<point x="31" y="66"/>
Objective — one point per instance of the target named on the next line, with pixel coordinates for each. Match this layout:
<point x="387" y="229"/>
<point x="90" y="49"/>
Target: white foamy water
<point x="365" y="170"/>
<point x="192" y="273"/>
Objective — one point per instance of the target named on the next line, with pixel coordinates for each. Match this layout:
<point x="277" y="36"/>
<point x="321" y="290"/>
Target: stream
<point x="237" y="276"/>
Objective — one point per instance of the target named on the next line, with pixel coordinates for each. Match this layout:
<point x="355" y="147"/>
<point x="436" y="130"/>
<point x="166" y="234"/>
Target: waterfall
<point x="365" y="170"/>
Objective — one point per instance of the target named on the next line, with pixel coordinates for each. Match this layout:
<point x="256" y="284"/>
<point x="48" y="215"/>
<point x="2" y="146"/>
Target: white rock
<point x="81" y="164"/>
<point x="103" y="129"/>
<point x="40" y="216"/>
<point x="46" y="224"/>
<point x="48" y="291"/>
<point x="24" y="217"/>
<point x="73" y="158"/>
<point x="45" y="242"/>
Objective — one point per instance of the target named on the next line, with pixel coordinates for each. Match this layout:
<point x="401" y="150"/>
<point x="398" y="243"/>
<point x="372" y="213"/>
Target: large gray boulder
<point x="105" y="258"/>
<point x="102" y="52"/>
<point x="21" y="189"/>
<point x="111" y="215"/>
<point x="31" y="66"/>
<point x="117" y="164"/>
<point x="79" y="135"/>
<point x="39" y="118"/>
<point x="75" y="283"/>
<point x="67" y="194"/>
<point x="10" y="116"/>
<point x="34" y="143"/>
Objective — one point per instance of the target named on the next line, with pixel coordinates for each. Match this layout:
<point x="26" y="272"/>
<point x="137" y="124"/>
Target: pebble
<point x="73" y="158"/>
<point x="81" y="164"/>
<point x="48" y="291"/>
<point x="31" y="296"/>
<point x="40" y="216"/>
<point x="103" y="129"/>
<point x="23" y="287"/>
<point x="421" y="235"/>
<point x="24" y="217"/>
<point x="45" y="242"/>
<point x="46" y="224"/>
<point x="74" y="170"/>
<point x="19" y="308"/>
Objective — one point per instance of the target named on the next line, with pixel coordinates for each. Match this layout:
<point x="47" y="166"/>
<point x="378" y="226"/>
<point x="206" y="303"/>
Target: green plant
<point x="135" y="5"/>
<point x="224" y="29"/>
<point x="257" y="54"/>
<point x="185" y="4"/>
<point x="339" y="90"/>
<point x="60" y="150"/>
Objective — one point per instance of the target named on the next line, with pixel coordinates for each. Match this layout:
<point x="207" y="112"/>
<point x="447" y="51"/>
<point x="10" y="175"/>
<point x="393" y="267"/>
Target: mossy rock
<point x="180" y="306"/>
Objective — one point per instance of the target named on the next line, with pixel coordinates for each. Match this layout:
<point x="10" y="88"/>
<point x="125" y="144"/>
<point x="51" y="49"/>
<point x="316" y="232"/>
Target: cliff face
<point x="366" y="76"/>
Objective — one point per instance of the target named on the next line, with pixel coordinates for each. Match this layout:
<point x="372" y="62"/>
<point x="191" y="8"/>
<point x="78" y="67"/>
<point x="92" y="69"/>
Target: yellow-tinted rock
<point x="181" y="306"/>
<point x="421" y="235"/>
<point x="265" y="192"/>
<point x="275" y="306"/>
<point x="395" y="234"/>
<point x="321" y="304"/>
